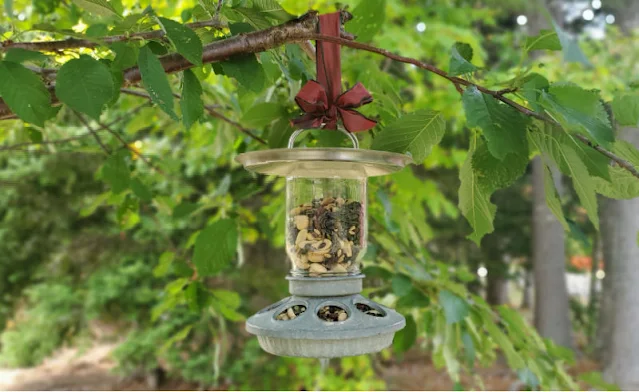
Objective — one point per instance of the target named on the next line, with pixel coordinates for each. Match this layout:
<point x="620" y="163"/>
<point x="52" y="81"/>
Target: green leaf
<point x="230" y="299"/>
<point x="8" y="8"/>
<point x="552" y="198"/>
<point x="279" y="134"/>
<point x="34" y="135"/>
<point x="247" y="71"/>
<point x="546" y="39"/>
<point x="474" y="202"/>
<point x="155" y="81"/>
<point x="191" y="101"/>
<point x="272" y="9"/>
<point x="125" y="55"/>
<point x="97" y="7"/>
<point x="215" y="247"/>
<point x="626" y="109"/>
<point x="595" y="380"/>
<point x="186" y="42"/>
<point x="416" y="133"/>
<point x="503" y="127"/>
<point x="368" y="19"/>
<point x="532" y="87"/>
<point x="460" y="56"/>
<point x="469" y="348"/>
<point x="252" y="16"/>
<point x="515" y="361"/>
<point x="140" y="190"/>
<point x="405" y="338"/>
<point x="25" y="94"/>
<point x="19" y="55"/>
<point x="164" y="264"/>
<point x="116" y="173"/>
<point x="627" y="151"/>
<point x="84" y="84"/>
<point x="493" y="174"/>
<point x="568" y="161"/>
<point x="455" y="308"/>
<point x="572" y="51"/>
<point x="623" y="185"/>
<point x="184" y="209"/>
<point x="262" y="114"/>
<point x="415" y="298"/>
<point x="580" y="110"/>
<point x="401" y="284"/>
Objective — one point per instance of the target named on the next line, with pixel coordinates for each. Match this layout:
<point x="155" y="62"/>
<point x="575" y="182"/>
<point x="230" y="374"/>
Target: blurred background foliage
<point x="75" y="254"/>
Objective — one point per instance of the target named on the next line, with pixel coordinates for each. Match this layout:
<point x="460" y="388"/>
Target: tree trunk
<point x="496" y="289"/>
<point x="621" y="302"/>
<point x="552" y="313"/>
<point x="526" y="300"/>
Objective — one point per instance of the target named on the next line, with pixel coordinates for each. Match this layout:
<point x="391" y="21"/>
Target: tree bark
<point x="549" y="256"/>
<point x="621" y="302"/>
<point x="496" y="289"/>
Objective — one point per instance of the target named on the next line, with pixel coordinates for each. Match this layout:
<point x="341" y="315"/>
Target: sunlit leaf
<point x="186" y="42"/>
<point x="215" y="247"/>
<point x="155" y="81"/>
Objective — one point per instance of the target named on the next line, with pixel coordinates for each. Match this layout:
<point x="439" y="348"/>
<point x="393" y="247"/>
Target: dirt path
<point x="68" y="369"/>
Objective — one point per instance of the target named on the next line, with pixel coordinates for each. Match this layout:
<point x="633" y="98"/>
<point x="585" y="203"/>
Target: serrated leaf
<point x="247" y="71"/>
<point x="627" y="151"/>
<point x="546" y="39"/>
<point x="570" y="46"/>
<point x="252" y="16"/>
<point x="186" y="42"/>
<point x="455" y="308"/>
<point x="272" y="9"/>
<point x="552" y="198"/>
<point x="626" y="109"/>
<point x="116" y="173"/>
<point x="191" y="101"/>
<point x="515" y="361"/>
<point x="262" y="114"/>
<point x="155" y="81"/>
<point x="164" y="264"/>
<point x="568" y="161"/>
<point x="230" y="299"/>
<point x="279" y="134"/>
<point x="531" y="89"/>
<point x="19" y="55"/>
<point x="474" y="202"/>
<point x="503" y="127"/>
<point x="84" y="84"/>
<point x="97" y="7"/>
<point x="493" y="174"/>
<point x="140" y="190"/>
<point x="215" y="247"/>
<point x="184" y="209"/>
<point x="460" y="56"/>
<point x="623" y="185"/>
<point x="405" y="338"/>
<point x="401" y="284"/>
<point x="25" y="94"/>
<point x="416" y="133"/>
<point x="368" y="19"/>
<point x="125" y="55"/>
<point x="580" y="110"/>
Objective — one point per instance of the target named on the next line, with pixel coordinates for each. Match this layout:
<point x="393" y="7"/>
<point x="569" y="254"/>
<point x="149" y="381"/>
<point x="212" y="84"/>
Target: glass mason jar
<point x="326" y="225"/>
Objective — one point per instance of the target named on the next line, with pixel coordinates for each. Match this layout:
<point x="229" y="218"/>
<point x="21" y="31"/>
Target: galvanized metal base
<point x="309" y="336"/>
<point x="318" y="287"/>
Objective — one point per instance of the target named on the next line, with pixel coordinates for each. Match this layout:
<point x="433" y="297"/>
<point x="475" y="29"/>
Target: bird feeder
<point x="326" y="238"/>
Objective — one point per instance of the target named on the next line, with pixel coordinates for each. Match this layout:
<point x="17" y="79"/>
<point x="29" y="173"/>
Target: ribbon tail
<point x="307" y="121"/>
<point x="354" y="121"/>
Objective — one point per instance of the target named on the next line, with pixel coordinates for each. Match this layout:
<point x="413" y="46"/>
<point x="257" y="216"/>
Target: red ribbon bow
<point x="322" y="100"/>
<point x="313" y="100"/>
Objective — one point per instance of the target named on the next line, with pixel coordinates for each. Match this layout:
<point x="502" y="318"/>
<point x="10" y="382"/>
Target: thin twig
<point x="93" y="132"/>
<point x="76" y="43"/>
<point x="209" y="108"/>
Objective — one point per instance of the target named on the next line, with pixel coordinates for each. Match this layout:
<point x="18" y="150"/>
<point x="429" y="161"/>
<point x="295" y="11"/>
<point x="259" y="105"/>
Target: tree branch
<point x="299" y="31"/>
<point x="209" y="108"/>
<point x="92" y="132"/>
<point x="75" y="43"/>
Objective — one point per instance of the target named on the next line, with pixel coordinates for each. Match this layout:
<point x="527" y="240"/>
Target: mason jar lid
<point x="323" y="162"/>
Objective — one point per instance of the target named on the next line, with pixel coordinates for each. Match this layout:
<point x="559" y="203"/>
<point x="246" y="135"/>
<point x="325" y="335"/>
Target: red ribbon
<point x="323" y="101"/>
